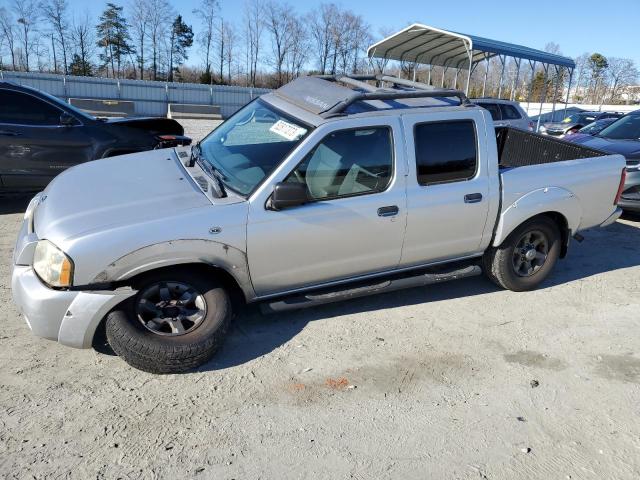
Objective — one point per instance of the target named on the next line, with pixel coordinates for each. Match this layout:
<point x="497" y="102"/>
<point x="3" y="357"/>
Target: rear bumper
<point x="70" y="317"/>
<point x="630" y="200"/>
<point x="614" y="216"/>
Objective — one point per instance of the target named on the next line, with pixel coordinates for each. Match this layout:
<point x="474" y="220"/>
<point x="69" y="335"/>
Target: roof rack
<point x="421" y="90"/>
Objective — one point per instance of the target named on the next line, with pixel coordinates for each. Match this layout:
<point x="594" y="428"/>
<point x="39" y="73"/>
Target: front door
<point x="353" y="224"/>
<point x="34" y="147"/>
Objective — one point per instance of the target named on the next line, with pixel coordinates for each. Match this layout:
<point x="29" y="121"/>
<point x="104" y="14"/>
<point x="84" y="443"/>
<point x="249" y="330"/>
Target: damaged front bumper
<point x="68" y="316"/>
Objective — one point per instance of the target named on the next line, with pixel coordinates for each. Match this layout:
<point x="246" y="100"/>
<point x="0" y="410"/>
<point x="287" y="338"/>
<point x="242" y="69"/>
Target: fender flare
<point x="543" y="200"/>
<point x="176" y="252"/>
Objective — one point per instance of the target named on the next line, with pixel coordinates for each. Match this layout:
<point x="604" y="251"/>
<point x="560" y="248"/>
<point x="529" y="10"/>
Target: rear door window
<point x="509" y="112"/>
<point x="22" y="109"/>
<point x="494" y="110"/>
<point x="445" y="151"/>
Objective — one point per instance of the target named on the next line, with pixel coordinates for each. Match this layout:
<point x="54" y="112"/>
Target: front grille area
<point x="555" y="133"/>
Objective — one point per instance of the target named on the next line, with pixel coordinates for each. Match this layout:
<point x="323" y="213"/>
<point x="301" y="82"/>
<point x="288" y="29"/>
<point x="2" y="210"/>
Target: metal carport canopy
<point x="429" y="45"/>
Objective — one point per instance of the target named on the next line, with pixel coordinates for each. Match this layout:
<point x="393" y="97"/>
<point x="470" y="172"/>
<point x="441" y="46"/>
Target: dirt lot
<point x="425" y="383"/>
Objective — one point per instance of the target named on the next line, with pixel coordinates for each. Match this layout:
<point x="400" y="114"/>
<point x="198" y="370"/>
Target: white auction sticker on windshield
<point x="288" y="130"/>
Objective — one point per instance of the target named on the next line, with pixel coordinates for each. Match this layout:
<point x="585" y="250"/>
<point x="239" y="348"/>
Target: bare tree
<point x="208" y="13"/>
<point x="8" y="30"/>
<point x="621" y="73"/>
<point x="160" y="15"/>
<point x="84" y="41"/>
<point x="298" y="54"/>
<point x="253" y="34"/>
<point x="230" y="50"/>
<point x="56" y="12"/>
<point x="322" y="25"/>
<point x="279" y="21"/>
<point x="140" y="14"/>
<point x="27" y="15"/>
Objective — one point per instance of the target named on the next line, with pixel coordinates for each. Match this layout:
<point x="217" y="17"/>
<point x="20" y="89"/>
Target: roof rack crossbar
<point x="371" y="93"/>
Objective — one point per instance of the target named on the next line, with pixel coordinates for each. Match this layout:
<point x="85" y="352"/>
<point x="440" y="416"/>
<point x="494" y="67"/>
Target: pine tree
<point x="80" y="66"/>
<point x="114" y="38"/>
<point x="180" y="40"/>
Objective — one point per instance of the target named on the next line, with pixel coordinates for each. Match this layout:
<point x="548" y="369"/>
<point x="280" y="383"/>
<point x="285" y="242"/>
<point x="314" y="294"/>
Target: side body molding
<point x="175" y="252"/>
<point x="548" y="199"/>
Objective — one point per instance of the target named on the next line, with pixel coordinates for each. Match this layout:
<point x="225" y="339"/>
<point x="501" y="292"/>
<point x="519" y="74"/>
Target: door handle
<point x="473" y="198"/>
<point x="388" y="211"/>
<point x="8" y="133"/>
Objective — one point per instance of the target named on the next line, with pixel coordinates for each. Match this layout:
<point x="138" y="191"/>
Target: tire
<point x="505" y="266"/>
<point x="175" y="342"/>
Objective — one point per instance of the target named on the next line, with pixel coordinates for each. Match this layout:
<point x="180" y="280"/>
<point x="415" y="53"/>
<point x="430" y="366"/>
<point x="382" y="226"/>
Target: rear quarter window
<point x="509" y="112"/>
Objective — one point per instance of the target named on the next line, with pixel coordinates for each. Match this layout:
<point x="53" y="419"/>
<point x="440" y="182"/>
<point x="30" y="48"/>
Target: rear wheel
<point x="175" y="323"/>
<point x="526" y="257"/>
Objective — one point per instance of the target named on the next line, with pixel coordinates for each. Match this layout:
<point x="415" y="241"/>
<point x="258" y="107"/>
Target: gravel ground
<point x="198" y="129"/>
<point x="454" y="381"/>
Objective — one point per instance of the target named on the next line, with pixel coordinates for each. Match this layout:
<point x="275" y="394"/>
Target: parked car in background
<point x="591" y="129"/>
<point x="574" y="122"/>
<point x="556" y="116"/>
<point x="311" y="194"/>
<point x="40" y="136"/>
<point x="623" y="137"/>
<point x="505" y="113"/>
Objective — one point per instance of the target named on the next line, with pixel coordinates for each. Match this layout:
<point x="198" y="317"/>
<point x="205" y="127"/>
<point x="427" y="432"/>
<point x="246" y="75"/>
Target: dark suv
<point x="40" y="136"/>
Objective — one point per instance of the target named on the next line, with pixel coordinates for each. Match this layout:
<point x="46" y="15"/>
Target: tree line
<point x="268" y="46"/>
<point x="147" y="39"/>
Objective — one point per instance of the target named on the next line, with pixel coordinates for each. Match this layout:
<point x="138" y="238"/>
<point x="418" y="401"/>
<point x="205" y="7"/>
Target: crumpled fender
<point x="548" y="199"/>
<point x="175" y="252"/>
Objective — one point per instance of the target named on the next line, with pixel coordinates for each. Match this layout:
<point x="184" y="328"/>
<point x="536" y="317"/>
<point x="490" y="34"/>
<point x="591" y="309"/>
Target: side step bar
<point x="361" y="289"/>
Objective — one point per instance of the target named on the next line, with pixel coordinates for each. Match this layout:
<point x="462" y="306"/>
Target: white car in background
<point x="505" y="113"/>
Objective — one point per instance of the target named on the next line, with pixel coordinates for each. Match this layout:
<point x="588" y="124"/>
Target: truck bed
<point x="571" y="174"/>
<point x="519" y="148"/>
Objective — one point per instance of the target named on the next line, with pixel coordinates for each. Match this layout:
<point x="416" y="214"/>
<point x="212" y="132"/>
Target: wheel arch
<point x="556" y="203"/>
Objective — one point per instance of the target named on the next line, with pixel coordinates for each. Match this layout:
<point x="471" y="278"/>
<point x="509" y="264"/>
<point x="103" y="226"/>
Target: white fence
<point x="533" y="109"/>
<point x="151" y="98"/>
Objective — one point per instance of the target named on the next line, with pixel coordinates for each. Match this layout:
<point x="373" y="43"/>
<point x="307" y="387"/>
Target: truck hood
<point x="115" y="191"/>
<point x="629" y="148"/>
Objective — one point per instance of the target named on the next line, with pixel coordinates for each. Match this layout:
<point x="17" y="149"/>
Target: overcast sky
<point x="608" y="27"/>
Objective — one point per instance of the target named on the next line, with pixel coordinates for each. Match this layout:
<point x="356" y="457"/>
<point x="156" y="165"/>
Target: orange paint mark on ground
<point x="296" y="387"/>
<point x="337" y="383"/>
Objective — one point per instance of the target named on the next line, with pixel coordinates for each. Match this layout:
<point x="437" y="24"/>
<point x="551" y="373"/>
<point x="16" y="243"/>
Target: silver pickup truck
<point x="326" y="189"/>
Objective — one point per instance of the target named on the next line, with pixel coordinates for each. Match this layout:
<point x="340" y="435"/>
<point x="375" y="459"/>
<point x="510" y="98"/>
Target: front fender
<point x="548" y="199"/>
<point x="176" y="252"/>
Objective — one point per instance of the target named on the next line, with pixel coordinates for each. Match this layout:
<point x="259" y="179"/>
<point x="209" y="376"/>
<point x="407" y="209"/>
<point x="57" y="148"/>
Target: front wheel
<point x="526" y="257"/>
<point x="175" y="322"/>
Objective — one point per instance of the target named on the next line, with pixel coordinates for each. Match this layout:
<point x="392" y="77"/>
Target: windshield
<point x="250" y="145"/>
<point x="579" y="118"/>
<point x="625" y="128"/>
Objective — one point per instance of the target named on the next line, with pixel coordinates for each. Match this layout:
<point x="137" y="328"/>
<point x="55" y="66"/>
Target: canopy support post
<point x="533" y="74"/>
<point x="544" y="94"/>
<point x="444" y="72"/>
<point x="515" y="82"/>
<point x="555" y="91"/>
<point x="429" y="78"/>
<point x="566" y="102"/>
<point x="486" y="73"/>
<point x="503" y="60"/>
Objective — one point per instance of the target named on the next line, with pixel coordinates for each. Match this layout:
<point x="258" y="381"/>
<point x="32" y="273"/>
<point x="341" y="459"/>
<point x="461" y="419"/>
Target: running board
<point x="361" y="289"/>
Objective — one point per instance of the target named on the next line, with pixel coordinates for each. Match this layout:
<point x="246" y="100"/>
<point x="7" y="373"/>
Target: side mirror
<point x="67" y="120"/>
<point x="287" y="195"/>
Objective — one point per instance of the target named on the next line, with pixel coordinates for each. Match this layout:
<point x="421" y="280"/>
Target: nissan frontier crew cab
<point x="326" y="189"/>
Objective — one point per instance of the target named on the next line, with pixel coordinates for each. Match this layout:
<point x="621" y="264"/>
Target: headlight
<point x="542" y="129"/>
<point x="52" y="265"/>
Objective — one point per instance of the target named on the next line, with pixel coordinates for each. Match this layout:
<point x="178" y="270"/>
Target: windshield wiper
<point x="213" y="172"/>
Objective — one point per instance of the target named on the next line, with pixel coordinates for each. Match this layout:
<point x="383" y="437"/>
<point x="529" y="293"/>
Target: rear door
<point x="450" y="190"/>
<point x="34" y="147"/>
<point x="512" y="117"/>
